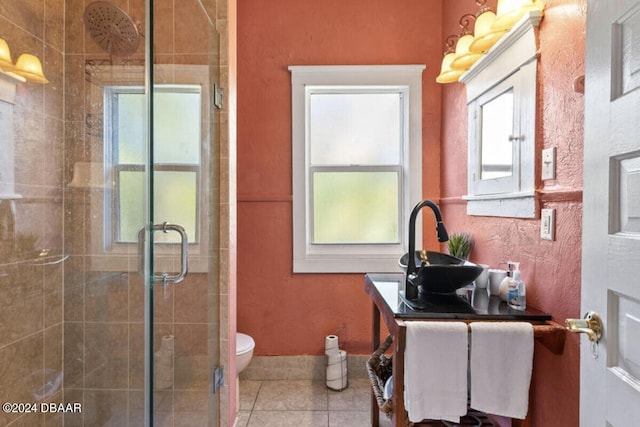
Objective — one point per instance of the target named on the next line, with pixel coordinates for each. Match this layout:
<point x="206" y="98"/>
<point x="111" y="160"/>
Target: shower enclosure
<point x="110" y="214"/>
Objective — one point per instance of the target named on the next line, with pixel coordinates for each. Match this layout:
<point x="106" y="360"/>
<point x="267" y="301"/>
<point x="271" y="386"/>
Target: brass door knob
<point x="590" y="325"/>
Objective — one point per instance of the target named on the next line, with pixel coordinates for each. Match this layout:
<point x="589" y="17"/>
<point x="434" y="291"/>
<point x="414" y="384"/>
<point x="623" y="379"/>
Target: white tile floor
<point x="305" y="403"/>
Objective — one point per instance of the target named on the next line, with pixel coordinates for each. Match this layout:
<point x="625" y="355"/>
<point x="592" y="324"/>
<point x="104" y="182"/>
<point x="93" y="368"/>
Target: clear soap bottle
<point x="509" y="281"/>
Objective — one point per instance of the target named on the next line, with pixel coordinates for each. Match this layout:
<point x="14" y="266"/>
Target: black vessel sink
<point x="438" y="273"/>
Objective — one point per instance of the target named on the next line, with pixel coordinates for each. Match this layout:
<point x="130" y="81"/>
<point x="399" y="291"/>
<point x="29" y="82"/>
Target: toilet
<point x="244" y="351"/>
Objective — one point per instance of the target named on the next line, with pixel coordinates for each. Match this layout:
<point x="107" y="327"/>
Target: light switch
<point x="549" y="163"/>
<point x="548" y="224"/>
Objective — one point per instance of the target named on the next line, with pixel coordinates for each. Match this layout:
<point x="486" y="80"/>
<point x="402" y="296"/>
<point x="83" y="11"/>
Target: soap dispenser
<point x="508" y="282"/>
<point x="512" y="288"/>
<point x="517" y="297"/>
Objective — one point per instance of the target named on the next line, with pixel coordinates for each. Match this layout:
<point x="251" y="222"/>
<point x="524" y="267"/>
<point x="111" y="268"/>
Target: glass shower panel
<point x="185" y="315"/>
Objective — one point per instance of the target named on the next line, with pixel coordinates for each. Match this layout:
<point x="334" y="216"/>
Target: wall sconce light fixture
<point x="464" y="58"/>
<point x="27" y="68"/>
<point x="448" y="74"/>
<point x="510" y="11"/>
<point x="484" y="35"/>
<point x="5" y="57"/>
<point x="30" y="67"/>
<point x="489" y="27"/>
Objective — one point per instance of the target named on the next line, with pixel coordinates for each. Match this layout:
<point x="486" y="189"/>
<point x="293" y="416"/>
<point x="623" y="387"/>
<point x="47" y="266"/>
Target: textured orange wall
<point x="551" y="269"/>
<point x="290" y="314"/>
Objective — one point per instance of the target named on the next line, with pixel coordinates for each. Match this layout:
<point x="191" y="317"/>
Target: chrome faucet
<point x="411" y="290"/>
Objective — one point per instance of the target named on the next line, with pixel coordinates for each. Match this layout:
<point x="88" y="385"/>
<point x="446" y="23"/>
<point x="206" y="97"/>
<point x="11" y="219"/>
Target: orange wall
<point x="290" y="314"/>
<point x="551" y="269"/>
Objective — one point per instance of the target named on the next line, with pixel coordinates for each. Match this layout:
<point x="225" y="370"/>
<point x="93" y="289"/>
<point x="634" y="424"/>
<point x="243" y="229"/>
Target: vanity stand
<point x="384" y="290"/>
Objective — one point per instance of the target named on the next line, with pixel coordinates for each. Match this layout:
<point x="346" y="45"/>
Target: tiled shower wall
<point x="31" y="295"/>
<point x="99" y="312"/>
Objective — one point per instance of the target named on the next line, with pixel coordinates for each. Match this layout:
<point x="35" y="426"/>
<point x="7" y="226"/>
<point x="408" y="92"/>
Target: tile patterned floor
<point x="305" y="403"/>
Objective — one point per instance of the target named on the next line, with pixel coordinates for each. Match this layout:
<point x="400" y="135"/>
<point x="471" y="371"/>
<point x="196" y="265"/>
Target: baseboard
<point x="263" y="368"/>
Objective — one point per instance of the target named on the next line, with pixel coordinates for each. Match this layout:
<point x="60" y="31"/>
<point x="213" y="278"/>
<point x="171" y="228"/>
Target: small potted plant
<point x="459" y="245"/>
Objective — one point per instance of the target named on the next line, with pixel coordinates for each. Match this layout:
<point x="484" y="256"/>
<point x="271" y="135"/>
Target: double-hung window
<point x="177" y="125"/>
<point x="356" y="165"/>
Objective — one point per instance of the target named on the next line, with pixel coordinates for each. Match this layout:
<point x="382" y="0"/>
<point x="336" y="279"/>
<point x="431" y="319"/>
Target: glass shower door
<point x="183" y="354"/>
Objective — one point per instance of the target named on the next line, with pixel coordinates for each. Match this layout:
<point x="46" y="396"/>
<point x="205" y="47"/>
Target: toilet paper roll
<point x="163" y="364"/>
<point x="336" y="371"/>
<point x="167" y="344"/>
<point x="338" y="384"/>
<point x="495" y="278"/>
<point x="331" y="344"/>
<point x="339" y="357"/>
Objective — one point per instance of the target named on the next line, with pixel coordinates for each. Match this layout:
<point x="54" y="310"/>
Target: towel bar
<point x="550" y="334"/>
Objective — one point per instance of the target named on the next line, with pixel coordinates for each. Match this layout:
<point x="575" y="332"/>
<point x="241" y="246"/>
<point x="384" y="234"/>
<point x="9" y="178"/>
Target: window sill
<point x="350" y="264"/>
<point x="516" y="205"/>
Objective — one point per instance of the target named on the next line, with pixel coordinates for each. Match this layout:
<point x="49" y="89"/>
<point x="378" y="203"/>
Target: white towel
<point x="500" y="367"/>
<point x="435" y="370"/>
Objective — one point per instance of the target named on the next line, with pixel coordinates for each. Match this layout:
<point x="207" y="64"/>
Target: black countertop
<point x="467" y="304"/>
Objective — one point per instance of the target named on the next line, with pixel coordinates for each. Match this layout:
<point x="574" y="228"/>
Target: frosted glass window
<point x="176" y="126"/>
<point x="355" y="128"/>
<point x="352" y="129"/>
<point x="129" y="129"/>
<point x="175" y="201"/>
<point x="176" y="153"/>
<point x="355" y="207"/>
<point x="130" y="205"/>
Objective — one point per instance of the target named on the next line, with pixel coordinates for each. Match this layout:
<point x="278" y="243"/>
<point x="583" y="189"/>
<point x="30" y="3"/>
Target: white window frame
<point x="511" y="62"/>
<point x="361" y="258"/>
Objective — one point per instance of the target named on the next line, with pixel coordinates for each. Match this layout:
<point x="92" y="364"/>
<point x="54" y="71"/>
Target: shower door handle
<point x="166" y="278"/>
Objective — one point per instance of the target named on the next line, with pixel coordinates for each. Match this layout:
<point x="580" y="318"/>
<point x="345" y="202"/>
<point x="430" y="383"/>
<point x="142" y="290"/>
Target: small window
<point x="176" y="160"/>
<point x="355" y="132"/>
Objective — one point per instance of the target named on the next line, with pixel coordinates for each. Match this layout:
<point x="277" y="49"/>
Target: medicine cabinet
<point x="501" y="100"/>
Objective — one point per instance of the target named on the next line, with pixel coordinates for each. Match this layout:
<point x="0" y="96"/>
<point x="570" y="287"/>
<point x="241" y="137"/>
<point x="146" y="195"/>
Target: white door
<point x="610" y="382"/>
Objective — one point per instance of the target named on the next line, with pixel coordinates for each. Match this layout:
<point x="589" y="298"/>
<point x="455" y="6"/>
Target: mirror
<point x="496" y="146"/>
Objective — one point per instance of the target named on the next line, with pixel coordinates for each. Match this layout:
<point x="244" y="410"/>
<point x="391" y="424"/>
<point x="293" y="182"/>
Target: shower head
<point x="111" y="28"/>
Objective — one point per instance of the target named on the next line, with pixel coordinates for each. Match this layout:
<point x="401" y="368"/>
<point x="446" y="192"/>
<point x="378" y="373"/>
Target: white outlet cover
<point x="548" y="224"/>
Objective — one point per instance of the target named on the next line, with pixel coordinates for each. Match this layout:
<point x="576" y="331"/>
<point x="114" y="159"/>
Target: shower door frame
<point x="148" y="230"/>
